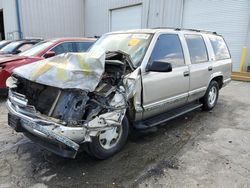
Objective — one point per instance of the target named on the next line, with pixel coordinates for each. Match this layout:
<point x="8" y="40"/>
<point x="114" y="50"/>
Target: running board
<point x="162" y="118"/>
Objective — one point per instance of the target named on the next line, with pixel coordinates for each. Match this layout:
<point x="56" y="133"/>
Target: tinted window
<point x="3" y="43"/>
<point x="168" y="48"/>
<point x="63" y="48"/>
<point x="197" y="48"/>
<point x="83" y="46"/>
<point x="36" y="49"/>
<point x="220" y="47"/>
<point x="11" y="47"/>
<point x="24" y="47"/>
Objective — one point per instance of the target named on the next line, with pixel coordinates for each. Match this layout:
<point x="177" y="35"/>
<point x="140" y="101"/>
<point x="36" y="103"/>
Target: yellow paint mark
<point x="133" y="42"/>
<point x="61" y="70"/>
<point x="84" y="67"/>
<point x="41" y="69"/>
<point x="243" y="58"/>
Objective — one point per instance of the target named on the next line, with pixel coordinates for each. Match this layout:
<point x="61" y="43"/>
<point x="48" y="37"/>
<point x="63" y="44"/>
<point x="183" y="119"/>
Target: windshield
<point x="34" y="50"/>
<point x="3" y="43"/>
<point x="133" y="44"/>
<point x="10" y="47"/>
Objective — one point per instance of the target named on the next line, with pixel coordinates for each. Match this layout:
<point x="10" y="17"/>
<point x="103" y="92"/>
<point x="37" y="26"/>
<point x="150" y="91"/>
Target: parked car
<point x="4" y="43"/>
<point x="90" y="100"/>
<point x="18" y="46"/>
<point x="42" y="50"/>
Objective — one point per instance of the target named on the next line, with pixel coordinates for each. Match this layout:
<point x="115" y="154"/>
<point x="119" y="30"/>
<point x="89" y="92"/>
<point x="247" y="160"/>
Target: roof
<point x="158" y="29"/>
<point x="72" y="39"/>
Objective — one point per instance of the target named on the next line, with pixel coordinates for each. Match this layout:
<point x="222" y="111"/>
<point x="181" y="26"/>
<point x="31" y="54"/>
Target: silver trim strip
<point x="165" y="101"/>
<point x="193" y="92"/>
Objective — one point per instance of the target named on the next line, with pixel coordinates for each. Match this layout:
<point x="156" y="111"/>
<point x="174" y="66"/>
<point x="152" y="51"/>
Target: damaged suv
<point x="130" y="79"/>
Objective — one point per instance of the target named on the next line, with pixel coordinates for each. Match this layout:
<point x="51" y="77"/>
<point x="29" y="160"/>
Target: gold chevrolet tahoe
<point x="132" y="79"/>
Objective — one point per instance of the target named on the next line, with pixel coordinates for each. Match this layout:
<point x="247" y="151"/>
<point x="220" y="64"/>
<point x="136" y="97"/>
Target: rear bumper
<point x="226" y="82"/>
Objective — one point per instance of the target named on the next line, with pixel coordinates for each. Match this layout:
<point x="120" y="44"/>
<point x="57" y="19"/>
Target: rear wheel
<point x="109" y="142"/>
<point x="210" y="99"/>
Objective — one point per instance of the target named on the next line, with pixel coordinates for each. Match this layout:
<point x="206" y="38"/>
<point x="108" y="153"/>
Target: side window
<point x="220" y="48"/>
<point x="197" y="48"/>
<point x="168" y="48"/>
<point x="63" y="48"/>
<point x="24" y="47"/>
<point x="83" y="46"/>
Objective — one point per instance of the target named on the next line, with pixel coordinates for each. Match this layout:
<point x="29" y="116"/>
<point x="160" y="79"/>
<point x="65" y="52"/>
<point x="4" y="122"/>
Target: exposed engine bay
<point x="75" y="107"/>
<point x="72" y="98"/>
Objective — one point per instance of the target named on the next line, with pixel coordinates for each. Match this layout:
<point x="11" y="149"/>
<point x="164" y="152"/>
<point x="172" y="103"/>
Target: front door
<point x="163" y="91"/>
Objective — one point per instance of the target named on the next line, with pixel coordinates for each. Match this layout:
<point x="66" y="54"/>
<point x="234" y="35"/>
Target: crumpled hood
<point x="67" y="71"/>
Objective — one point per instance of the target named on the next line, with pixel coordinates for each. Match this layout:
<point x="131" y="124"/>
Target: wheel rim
<point x="212" y="96"/>
<point x="109" y="138"/>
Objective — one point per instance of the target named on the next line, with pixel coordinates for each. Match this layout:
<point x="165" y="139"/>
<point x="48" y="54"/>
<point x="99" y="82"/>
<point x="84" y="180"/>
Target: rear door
<point x="201" y="66"/>
<point x="163" y="91"/>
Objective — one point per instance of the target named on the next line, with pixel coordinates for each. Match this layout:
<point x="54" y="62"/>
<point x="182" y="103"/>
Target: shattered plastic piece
<point x="113" y="118"/>
<point x="67" y="71"/>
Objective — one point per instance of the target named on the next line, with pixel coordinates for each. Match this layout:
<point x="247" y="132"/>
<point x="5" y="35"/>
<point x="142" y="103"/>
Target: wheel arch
<point x="218" y="78"/>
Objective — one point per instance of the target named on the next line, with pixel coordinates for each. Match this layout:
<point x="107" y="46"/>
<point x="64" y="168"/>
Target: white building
<point x="58" y="18"/>
<point x="42" y="18"/>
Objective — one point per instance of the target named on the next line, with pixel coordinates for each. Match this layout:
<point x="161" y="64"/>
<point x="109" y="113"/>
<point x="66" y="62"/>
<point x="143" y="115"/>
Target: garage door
<point x="126" y="18"/>
<point x="227" y="17"/>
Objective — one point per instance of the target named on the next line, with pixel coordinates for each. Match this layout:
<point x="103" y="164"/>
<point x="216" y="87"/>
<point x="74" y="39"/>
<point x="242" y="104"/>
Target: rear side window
<point x="197" y="48"/>
<point x="220" y="48"/>
<point x="63" y="48"/>
<point x="83" y="46"/>
<point x="168" y="48"/>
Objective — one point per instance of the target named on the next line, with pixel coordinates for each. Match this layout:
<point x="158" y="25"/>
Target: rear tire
<point x="211" y="97"/>
<point x="100" y="150"/>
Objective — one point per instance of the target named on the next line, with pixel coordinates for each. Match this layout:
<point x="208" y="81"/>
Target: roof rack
<point x="184" y="29"/>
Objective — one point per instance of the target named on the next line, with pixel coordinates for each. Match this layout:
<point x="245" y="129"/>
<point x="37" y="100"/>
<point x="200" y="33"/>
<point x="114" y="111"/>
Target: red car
<point x="42" y="50"/>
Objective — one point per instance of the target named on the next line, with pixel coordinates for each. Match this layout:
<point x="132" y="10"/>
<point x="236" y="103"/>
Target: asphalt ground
<point x="199" y="149"/>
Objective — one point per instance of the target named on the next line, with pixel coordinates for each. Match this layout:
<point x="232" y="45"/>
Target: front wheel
<point x="109" y="142"/>
<point x="210" y="99"/>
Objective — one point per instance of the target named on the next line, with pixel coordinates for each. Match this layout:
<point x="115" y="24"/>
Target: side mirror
<point x="160" y="66"/>
<point x="49" y="54"/>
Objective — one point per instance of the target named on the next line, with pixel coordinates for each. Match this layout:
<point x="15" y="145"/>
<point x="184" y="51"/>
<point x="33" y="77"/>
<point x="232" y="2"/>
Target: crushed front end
<point x="63" y="102"/>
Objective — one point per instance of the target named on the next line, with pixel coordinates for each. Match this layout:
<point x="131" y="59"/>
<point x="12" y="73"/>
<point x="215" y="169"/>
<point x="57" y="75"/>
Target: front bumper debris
<point x="42" y="132"/>
<point x="54" y="134"/>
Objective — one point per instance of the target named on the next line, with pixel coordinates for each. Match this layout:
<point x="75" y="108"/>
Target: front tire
<point x="211" y="97"/>
<point x="109" y="142"/>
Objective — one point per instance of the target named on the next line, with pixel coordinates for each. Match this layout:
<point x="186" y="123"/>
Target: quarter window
<point x="63" y="48"/>
<point x="219" y="46"/>
<point x="197" y="48"/>
<point x="168" y="48"/>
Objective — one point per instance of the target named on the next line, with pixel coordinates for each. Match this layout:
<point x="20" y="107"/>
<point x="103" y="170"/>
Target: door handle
<point x="186" y="73"/>
<point x="210" y="68"/>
